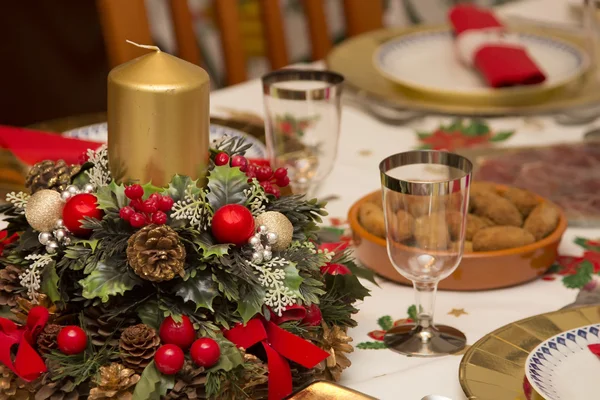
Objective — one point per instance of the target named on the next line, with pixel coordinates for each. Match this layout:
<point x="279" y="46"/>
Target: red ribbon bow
<point x="27" y="365"/>
<point x="279" y="344"/>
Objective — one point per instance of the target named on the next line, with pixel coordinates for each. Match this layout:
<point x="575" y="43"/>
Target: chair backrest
<point x="127" y="20"/>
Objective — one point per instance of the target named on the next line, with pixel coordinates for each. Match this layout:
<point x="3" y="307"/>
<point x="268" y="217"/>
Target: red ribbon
<point x="279" y="344"/>
<point x="28" y="364"/>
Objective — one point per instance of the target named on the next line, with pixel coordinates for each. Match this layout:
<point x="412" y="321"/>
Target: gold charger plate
<point x="494" y="367"/>
<point x="353" y="59"/>
<point x="324" y="390"/>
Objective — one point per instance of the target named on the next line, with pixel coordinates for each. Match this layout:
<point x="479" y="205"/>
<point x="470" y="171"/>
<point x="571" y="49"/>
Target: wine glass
<point x="303" y="110"/>
<point x="425" y="201"/>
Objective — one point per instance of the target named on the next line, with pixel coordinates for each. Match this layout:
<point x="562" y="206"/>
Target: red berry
<point x="335" y="269"/>
<point x="239" y="161"/>
<point x="280" y="173"/>
<point x="71" y="340"/>
<point x="159" y="218"/>
<point x="165" y="203"/>
<point x="205" y="352"/>
<point x="181" y="334"/>
<point x="267" y="186"/>
<point x="282" y="182"/>
<point x="134" y="192"/>
<point x="313" y="316"/>
<point x="276" y="192"/>
<point x="126" y="213"/>
<point x="137" y="205"/>
<point x="150" y="206"/>
<point x="221" y="159"/>
<point x="155" y="196"/>
<point x="137" y="220"/>
<point x="264" y="173"/>
<point x="169" y="359"/>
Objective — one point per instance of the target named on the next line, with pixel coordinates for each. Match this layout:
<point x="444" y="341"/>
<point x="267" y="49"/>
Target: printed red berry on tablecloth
<point x="181" y="334"/>
<point x="221" y="159"/>
<point x="335" y="269"/>
<point x="313" y="315"/>
<point x="233" y="223"/>
<point x="71" y="340"/>
<point x="205" y="352"/>
<point x="169" y="359"/>
<point x="76" y="209"/>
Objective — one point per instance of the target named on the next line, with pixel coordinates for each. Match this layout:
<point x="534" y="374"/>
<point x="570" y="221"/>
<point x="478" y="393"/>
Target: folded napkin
<point x="31" y="146"/>
<point x="483" y="43"/>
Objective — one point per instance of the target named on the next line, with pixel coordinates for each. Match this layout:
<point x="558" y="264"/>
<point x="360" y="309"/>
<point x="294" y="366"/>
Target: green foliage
<point x="107" y="280"/>
<point x="226" y="186"/>
<point x="199" y="289"/>
<point x="111" y="198"/>
<point x="230" y="358"/>
<point x="250" y="302"/>
<point x="346" y="257"/>
<point x="385" y="322"/>
<point x="233" y="146"/>
<point x="50" y="282"/>
<point x="208" y="248"/>
<point x="181" y="185"/>
<point x="346" y="285"/>
<point x="581" y="278"/>
<point x="153" y="384"/>
<point x="303" y="214"/>
<point x="150" y="314"/>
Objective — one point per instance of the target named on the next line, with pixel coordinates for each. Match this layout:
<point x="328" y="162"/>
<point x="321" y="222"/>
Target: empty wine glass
<point x="303" y="110"/>
<point x="425" y="201"/>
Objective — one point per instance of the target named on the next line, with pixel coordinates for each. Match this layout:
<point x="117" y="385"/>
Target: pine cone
<point x="9" y="283"/>
<point x="156" y="253"/>
<point x="138" y="345"/>
<point x="46" y="340"/>
<point x="336" y="343"/>
<point x="102" y="327"/>
<point x="50" y="175"/>
<point x="11" y="386"/>
<point x="62" y="389"/>
<point x="189" y="383"/>
<point x="114" y="382"/>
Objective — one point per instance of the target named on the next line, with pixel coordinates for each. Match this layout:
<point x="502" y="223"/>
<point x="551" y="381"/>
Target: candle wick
<point x="144" y="46"/>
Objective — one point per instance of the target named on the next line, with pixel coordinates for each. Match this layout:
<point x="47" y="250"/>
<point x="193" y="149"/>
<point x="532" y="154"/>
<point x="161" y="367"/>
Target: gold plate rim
<point x="348" y="58"/>
<point x="462" y="370"/>
<point x="503" y="96"/>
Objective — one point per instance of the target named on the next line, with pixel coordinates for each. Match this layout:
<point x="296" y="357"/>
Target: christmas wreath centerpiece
<point x="116" y="291"/>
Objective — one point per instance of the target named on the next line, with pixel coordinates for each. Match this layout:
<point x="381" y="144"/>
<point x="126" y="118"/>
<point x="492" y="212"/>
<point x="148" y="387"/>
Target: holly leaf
<point x="150" y="189"/>
<point x="208" y="247"/>
<point x="178" y="186"/>
<point x="226" y="186"/>
<point x="581" y="278"/>
<point x="412" y="312"/>
<point x="292" y="279"/>
<point x="585" y="243"/>
<point x="111" y="196"/>
<point x="199" y="289"/>
<point x="251" y="303"/>
<point x="106" y="281"/>
<point x="360" y="272"/>
<point x="501" y="136"/>
<point x="476" y="128"/>
<point x="346" y="286"/>
<point x="152" y="384"/>
<point x="50" y="282"/>
<point x="385" y="322"/>
<point x="28" y="241"/>
<point x="150" y="314"/>
<point x="230" y="356"/>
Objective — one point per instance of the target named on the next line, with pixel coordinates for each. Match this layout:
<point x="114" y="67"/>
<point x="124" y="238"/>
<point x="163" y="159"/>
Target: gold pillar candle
<point x="158" y="119"/>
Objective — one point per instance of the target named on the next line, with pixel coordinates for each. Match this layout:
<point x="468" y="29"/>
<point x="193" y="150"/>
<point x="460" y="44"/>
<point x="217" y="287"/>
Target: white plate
<point x="426" y="61"/>
<point x="99" y="133"/>
<point x="563" y="368"/>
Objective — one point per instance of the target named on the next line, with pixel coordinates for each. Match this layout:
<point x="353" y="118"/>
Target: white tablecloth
<point x="364" y="142"/>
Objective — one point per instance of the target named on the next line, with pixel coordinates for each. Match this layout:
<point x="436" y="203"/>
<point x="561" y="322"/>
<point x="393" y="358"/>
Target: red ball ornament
<point x="233" y="223"/>
<point x="76" y="209"/>
<point x="169" y="359"/>
<point x="335" y="269"/>
<point x="313" y="316"/>
<point x="181" y="334"/>
<point x="71" y="340"/>
<point x="205" y="352"/>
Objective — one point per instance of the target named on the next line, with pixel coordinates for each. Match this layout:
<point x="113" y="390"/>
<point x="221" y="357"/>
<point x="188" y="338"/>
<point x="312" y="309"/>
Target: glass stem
<point x="425" y="303"/>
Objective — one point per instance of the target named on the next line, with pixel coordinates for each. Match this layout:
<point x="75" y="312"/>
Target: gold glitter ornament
<point x="43" y="209"/>
<point x="277" y="223"/>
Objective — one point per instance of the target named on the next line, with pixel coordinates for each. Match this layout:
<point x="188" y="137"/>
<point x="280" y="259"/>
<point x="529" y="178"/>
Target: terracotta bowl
<point x="477" y="270"/>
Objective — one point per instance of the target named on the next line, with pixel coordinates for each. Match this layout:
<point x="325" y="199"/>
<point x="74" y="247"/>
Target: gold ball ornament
<point x="43" y="209"/>
<point x="278" y="223"/>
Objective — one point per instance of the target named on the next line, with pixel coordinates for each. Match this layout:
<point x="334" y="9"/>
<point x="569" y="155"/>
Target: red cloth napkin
<point x="501" y="65"/>
<point x="31" y="146"/>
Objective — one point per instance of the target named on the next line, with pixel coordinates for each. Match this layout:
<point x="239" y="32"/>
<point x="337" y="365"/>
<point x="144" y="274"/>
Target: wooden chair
<point x="127" y="20"/>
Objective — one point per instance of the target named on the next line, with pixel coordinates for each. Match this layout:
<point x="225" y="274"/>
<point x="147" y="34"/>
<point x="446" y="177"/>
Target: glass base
<point x="414" y="340"/>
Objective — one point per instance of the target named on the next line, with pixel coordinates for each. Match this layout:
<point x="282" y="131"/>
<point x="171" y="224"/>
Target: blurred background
<point x="57" y="54"/>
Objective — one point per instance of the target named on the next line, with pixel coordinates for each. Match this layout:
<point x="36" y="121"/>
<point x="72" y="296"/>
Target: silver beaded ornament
<point x="59" y="237"/>
<point x="73" y="190"/>
<point x="262" y="241"/>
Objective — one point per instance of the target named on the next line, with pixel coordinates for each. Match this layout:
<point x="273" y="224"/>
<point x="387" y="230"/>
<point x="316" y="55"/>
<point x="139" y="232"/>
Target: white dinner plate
<point x="563" y="368"/>
<point x="99" y="133"/>
<point x="426" y="62"/>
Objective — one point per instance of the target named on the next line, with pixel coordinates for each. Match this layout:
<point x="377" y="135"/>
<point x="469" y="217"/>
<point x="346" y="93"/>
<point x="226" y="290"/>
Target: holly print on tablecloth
<point x="580" y="272"/>
<point x="461" y="133"/>
<point x="386" y="323"/>
<point x="288" y="125"/>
